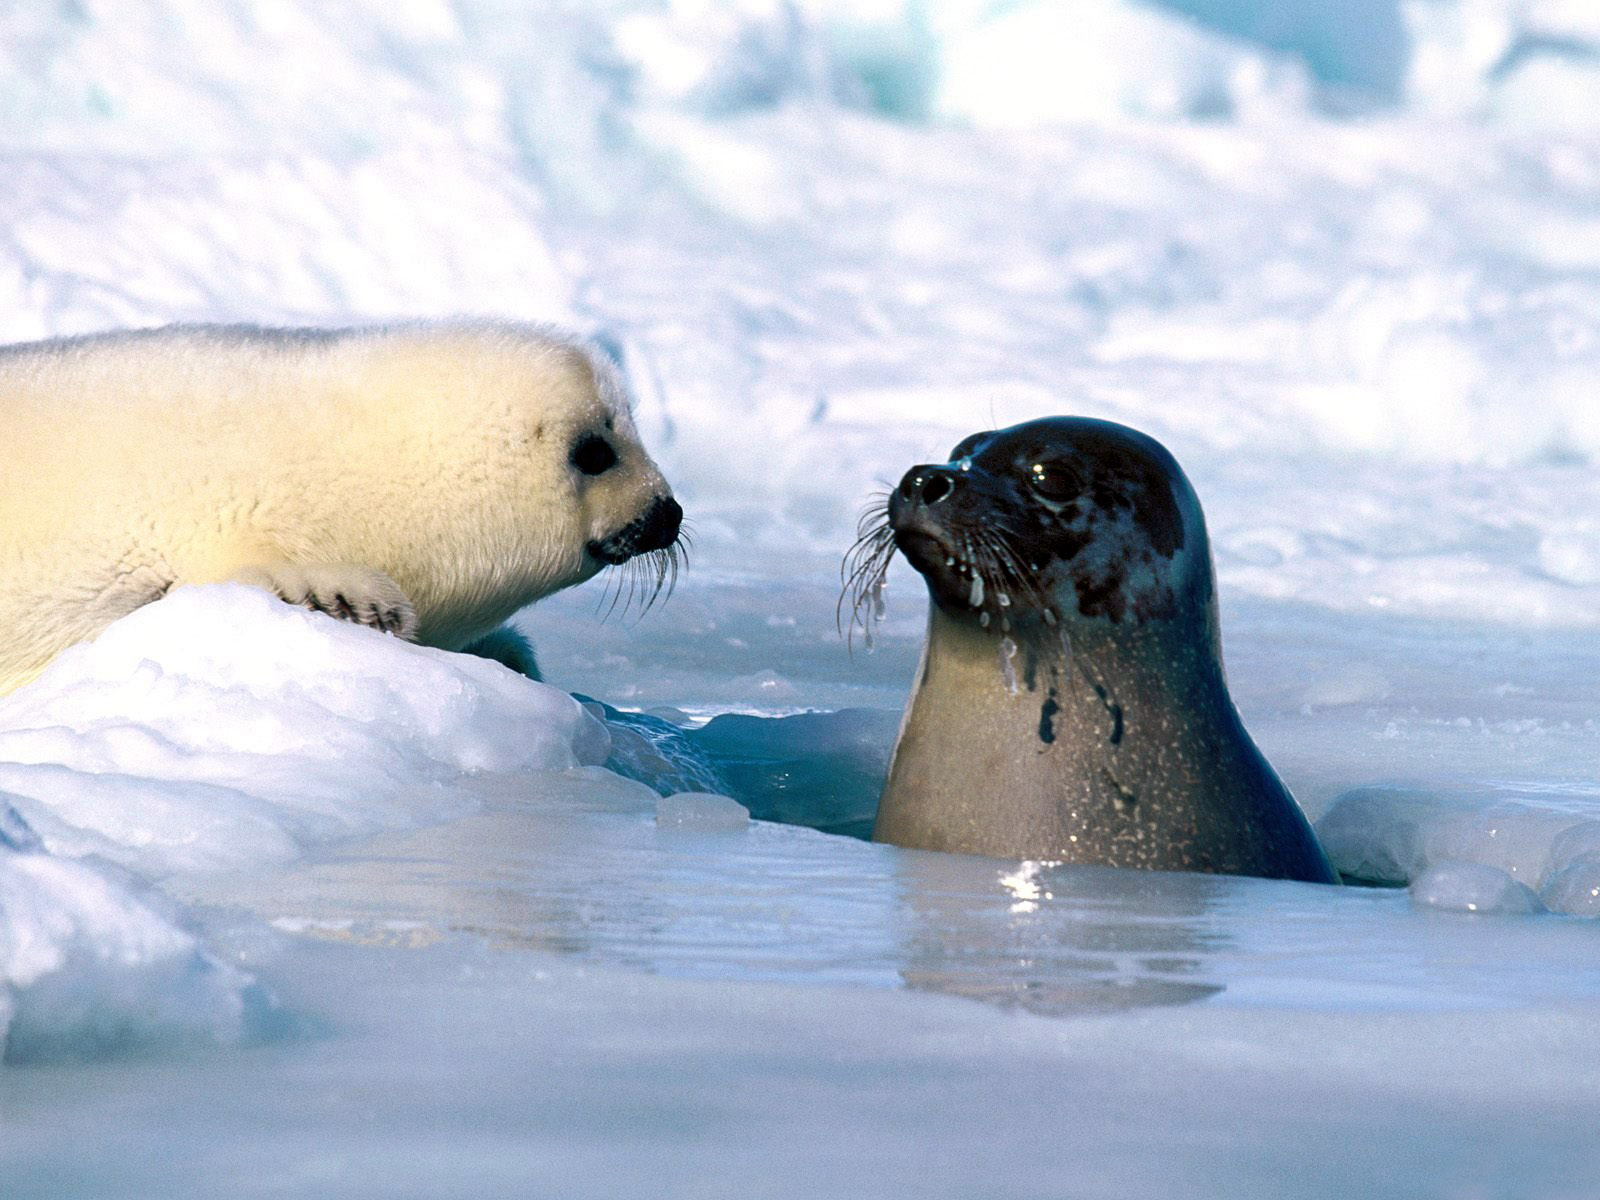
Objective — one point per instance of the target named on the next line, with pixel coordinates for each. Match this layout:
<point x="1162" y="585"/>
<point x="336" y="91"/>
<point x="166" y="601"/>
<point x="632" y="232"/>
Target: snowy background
<point x="290" y="908"/>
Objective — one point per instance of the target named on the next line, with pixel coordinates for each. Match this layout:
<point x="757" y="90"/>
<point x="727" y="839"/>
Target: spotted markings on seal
<point x="1071" y="703"/>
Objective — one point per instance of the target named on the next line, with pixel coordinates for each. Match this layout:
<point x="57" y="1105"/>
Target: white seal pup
<point x="424" y="479"/>
<point x="1071" y="703"/>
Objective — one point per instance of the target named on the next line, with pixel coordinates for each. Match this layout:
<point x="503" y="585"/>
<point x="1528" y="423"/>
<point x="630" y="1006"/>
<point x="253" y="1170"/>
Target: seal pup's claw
<point x="360" y="595"/>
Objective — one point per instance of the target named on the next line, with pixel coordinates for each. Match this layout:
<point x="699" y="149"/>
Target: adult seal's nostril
<point x="927" y="485"/>
<point x="936" y="487"/>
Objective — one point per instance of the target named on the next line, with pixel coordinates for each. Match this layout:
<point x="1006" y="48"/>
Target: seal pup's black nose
<point x="661" y="524"/>
<point x="655" y="529"/>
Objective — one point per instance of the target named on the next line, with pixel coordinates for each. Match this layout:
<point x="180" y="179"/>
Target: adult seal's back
<point x="1071" y="703"/>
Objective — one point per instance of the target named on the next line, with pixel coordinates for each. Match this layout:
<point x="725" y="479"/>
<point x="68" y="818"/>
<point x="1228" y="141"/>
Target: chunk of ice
<point x="701" y="812"/>
<point x="88" y="969"/>
<point x="1574" y="889"/>
<point x="220" y="728"/>
<point x="1393" y="835"/>
<point x="1008" y="669"/>
<point x="1474" y="888"/>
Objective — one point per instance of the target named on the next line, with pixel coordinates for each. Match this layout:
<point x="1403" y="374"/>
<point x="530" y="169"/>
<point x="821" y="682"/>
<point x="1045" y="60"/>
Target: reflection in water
<point x="1056" y="939"/>
<point x="1049" y="939"/>
<point x="575" y="865"/>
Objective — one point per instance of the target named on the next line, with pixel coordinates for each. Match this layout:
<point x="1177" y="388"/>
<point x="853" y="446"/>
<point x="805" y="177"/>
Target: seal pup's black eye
<point x="1053" y="482"/>
<point x="593" y="455"/>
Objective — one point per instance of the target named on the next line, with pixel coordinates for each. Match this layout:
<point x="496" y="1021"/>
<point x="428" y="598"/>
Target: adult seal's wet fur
<point x="1071" y="703"/>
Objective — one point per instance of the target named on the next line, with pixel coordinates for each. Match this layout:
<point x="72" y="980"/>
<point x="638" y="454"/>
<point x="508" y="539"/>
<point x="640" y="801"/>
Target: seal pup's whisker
<point x="627" y="587"/>
<point x="669" y="561"/>
<point x="664" y="566"/>
<point x="648" y="579"/>
<point x="612" y="588"/>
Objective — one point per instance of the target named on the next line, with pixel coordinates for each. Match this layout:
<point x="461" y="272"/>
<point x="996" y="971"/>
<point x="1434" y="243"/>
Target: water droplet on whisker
<point x="1008" y="652"/>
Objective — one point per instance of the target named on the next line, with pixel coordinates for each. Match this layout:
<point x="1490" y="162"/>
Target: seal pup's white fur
<point x="419" y="478"/>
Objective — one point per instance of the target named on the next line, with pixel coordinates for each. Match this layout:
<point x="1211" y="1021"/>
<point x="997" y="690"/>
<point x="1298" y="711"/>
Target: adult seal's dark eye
<point x="1052" y="482"/>
<point x="593" y="455"/>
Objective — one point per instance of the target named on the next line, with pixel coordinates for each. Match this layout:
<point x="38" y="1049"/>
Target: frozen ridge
<point x="220" y="728"/>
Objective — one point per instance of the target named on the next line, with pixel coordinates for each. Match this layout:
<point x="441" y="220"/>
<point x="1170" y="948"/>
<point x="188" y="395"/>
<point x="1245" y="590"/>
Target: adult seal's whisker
<point x="1017" y="580"/>
<point x="862" y="573"/>
<point x="875" y="515"/>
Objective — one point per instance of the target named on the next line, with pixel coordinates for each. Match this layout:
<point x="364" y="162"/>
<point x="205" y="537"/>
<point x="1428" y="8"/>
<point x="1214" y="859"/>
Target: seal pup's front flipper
<point x="350" y="592"/>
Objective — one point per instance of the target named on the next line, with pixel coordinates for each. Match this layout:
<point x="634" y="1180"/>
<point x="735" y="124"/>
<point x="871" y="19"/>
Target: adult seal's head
<point x="1071" y="703"/>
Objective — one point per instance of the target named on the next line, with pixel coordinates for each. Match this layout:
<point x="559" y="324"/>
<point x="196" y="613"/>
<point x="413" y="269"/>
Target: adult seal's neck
<point x="1099" y="741"/>
<point x="1085" y="681"/>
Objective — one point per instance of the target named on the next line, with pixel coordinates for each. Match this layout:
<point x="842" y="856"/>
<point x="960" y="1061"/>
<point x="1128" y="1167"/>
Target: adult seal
<point x="1071" y="703"/>
<point x="425" y="479"/>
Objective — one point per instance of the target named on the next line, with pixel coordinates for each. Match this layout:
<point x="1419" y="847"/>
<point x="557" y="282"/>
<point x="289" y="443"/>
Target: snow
<point x="288" y="906"/>
<point x="218" y="729"/>
<point x="221" y="730"/>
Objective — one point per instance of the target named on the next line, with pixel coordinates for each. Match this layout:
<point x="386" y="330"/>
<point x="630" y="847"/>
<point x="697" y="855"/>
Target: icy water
<point x="287" y="908"/>
<point x="536" y="981"/>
